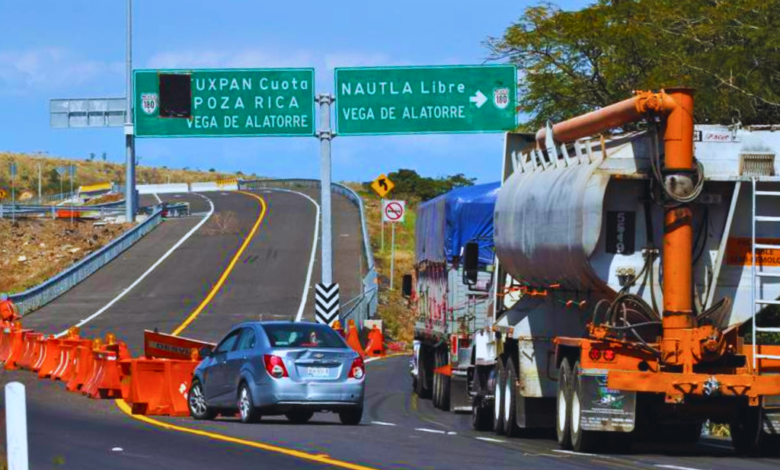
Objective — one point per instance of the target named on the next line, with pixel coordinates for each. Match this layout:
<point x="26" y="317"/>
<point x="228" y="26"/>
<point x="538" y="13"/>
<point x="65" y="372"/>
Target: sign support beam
<point x="325" y="134"/>
<point x="130" y="202"/>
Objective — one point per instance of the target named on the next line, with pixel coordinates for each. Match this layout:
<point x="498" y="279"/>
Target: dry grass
<point x="88" y="173"/>
<point x="223" y="223"/>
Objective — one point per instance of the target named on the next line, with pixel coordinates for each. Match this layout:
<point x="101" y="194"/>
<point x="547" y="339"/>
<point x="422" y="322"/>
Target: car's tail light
<point x="275" y="366"/>
<point x="358" y="369"/>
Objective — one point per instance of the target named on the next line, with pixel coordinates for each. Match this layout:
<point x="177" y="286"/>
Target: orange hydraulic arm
<point x="676" y="106"/>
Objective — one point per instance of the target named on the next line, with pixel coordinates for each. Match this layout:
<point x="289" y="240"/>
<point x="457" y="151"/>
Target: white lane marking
<point x="117" y="449"/>
<point x="372" y="359"/>
<point x="571" y="452"/>
<point x="299" y="316"/>
<point x="157" y="197"/>
<point x="381" y="423"/>
<point x="452" y="433"/>
<point x="675" y="467"/>
<point x="432" y="431"/>
<point x="490" y="439"/>
<point x="148" y="271"/>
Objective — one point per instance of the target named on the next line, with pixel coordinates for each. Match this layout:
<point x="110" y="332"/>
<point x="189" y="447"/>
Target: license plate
<point x="317" y="371"/>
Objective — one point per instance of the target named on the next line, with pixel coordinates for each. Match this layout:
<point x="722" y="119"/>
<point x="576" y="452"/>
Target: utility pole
<point x="130" y="203"/>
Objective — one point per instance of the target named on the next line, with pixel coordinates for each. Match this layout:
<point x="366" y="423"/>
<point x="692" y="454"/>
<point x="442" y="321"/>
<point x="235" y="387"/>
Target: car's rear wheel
<point x="299" y="416"/>
<point x="351" y="417"/>
<point x="246" y="407"/>
<point x="196" y="401"/>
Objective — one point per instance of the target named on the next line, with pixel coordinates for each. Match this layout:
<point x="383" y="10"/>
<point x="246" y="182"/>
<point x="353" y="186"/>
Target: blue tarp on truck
<point x="446" y="223"/>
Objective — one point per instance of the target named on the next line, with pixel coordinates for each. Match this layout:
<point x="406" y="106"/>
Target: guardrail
<point x="21" y="210"/>
<point x="38" y="296"/>
<point x="363" y="306"/>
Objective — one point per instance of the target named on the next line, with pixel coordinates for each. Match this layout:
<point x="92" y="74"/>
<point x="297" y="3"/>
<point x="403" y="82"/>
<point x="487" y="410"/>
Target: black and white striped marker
<point x="326" y="303"/>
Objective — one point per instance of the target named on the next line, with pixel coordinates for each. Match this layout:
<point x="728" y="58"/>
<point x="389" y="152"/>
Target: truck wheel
<point x="422" y="377"/>
<point x="446" y="387"/>
<point x="581" y="440"/>
<point x="498" y="402"/>
<point x="481" y="416"/>
<point x="510" y="400"/>
<point x="563" y="416"/>
<point x="748" y="436"/>
<point x="436" y="380"/>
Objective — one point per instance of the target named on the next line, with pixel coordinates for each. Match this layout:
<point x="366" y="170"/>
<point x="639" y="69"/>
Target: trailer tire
<point x="510" y="400"/>
<point x="444" y="384"/>
<point x="436" y="379"/>
<point x="748" y="436"/>
<point x="422" y="389"/>
<point x="498" y="401"/>
<point x="481" y="416"/>
<point x="581" y="440"/>
<point x="563" y="414"/>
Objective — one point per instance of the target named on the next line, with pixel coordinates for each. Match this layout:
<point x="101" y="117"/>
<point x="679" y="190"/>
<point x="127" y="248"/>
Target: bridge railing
<point x="38" y="296"/>
<point x="363" y="306"/>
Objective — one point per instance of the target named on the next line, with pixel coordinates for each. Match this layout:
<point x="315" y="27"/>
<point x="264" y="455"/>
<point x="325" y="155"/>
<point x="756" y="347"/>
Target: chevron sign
<point x="326" y="303"/>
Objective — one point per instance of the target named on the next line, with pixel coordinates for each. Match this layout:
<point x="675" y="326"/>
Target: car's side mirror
<point x="471" y="263"/>
<point x="205" y="352"/>
<point x="406" y="289"/>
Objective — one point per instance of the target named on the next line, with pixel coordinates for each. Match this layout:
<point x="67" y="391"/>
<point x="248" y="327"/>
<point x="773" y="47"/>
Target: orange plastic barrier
<point x="67" y="214"/>
<point x="105" y="381"/>
<point x="49" y="359"/>
<point x="16" y="349"/>
<point x="157" y="387"/>
<point x="39" y="349"/>
<point x="30" y="345"/>
<point x="8" y="311"/>
<point x="352" y="338"/>
<point x="376" y="343"/>
<point x="6" y="341"/>
<point x="84" y="364"/>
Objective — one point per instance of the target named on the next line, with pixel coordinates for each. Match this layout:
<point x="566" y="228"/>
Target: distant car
<point x="275" y="368"/>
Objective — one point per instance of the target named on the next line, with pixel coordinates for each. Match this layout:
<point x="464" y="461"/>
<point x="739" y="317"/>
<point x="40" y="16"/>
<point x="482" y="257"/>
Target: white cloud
<point x="52" y="68"/>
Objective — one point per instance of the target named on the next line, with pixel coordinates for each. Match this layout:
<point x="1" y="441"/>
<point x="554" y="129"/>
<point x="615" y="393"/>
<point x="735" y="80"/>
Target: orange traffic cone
<point x="352" y="338"/>
<point x="376" y="343"/>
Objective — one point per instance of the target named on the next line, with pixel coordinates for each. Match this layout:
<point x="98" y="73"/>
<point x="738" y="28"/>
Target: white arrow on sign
<point x="479" y="99"/>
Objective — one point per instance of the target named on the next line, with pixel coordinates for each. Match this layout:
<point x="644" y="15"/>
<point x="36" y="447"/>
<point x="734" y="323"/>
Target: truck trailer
<point x="635" y="278"/>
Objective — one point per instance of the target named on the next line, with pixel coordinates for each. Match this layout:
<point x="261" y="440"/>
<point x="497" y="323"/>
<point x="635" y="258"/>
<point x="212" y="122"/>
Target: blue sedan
<point x="279" y="368"/>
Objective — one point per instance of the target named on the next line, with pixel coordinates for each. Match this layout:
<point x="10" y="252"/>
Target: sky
<point x="76" y="49"/>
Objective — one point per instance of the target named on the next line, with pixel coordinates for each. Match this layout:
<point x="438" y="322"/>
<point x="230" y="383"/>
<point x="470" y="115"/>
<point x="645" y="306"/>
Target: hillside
<point x="88" y="172"/>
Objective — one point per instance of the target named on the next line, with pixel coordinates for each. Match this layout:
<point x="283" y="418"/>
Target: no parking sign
<point x="393" y="211"/>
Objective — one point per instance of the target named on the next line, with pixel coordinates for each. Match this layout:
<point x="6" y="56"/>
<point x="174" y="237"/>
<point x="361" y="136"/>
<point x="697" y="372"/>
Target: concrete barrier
<point x="163" y="188"/>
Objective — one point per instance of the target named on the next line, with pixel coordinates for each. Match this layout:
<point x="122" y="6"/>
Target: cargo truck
<point x="634" y="277"/>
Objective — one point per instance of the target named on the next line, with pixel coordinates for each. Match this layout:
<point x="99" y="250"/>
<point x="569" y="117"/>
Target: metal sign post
<point x="71" y="170"/>
<point x="13" y="192"/>
<point x="326" y="135"/>
<point x="130" y="202"/>
<point x="382" y="223"/>
<point x="393" y="212"/>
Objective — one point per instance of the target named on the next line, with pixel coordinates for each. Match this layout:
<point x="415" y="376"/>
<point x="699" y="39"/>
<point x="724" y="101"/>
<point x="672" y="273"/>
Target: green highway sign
<point x="224" y="103"/>
<point x="424" y="100"/>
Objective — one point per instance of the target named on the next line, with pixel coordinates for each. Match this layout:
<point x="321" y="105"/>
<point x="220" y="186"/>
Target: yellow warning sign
<point x="382" y="185"/>
<point x="739" y="252"/>
<point x="3" y="194"/>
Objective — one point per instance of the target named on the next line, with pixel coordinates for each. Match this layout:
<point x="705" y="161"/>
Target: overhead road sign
<point x="89" y="112"/>
<point x="224" y="103"/>
<point x="393" y="211"/>
<point x="424" y="100"/>
<point x="382" y="185"/>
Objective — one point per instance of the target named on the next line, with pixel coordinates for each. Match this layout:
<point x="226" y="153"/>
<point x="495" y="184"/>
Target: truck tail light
<point x="594" y="354"/>
<point x="609" y="354"/>
<point x="275" y="366"/>
<point x="454" y="345"/>
<point x="358" y="369"/>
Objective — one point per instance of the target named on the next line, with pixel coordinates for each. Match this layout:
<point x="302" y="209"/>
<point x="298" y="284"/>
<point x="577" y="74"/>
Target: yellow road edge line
<point x="229" y="269"/>
<point x="319" y="458"/>
<point x="122" y="405"/>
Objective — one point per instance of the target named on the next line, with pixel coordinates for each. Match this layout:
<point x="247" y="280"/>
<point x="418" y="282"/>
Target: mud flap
<point x="606" y="409"/>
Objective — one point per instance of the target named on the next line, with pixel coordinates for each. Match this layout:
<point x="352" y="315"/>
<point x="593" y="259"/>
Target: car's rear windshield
<point x="302" y="335"/>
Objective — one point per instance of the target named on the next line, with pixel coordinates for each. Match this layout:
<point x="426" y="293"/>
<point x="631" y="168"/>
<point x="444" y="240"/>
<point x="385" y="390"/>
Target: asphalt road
<point x="398" y="431"/>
